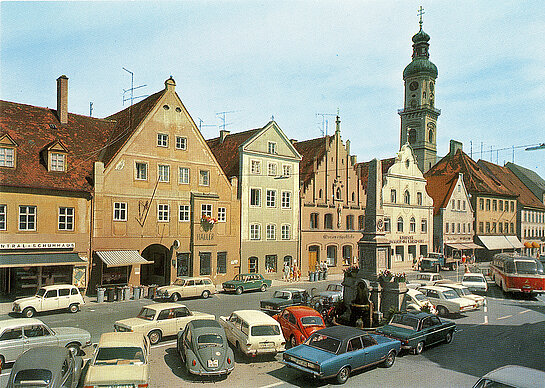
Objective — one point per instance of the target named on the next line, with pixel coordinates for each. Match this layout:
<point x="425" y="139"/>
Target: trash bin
<point x="110" y="294"/>
<point x="151" y="291"/>
<point x="313" y="276"/>
<point x="100" y="294"/>
<point x="319" y="275"/>
<point x="136" y="291"/>
<point x="127" y="293"/>
<point x="119" y="292"/>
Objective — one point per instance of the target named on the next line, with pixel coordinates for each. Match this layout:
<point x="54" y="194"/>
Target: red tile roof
<point x="440" y="188"/>
<point x="512" y="183"/>
<point x="226" y="152"/>
<point x="33" y="129"/>
<point x="312" y="152"/>
<point x="363" y="170"/>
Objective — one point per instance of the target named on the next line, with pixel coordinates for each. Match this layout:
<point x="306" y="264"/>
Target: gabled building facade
<point x="332" y="203"/>
<point x="267" y="167"/>
<point x="162" y="205"/>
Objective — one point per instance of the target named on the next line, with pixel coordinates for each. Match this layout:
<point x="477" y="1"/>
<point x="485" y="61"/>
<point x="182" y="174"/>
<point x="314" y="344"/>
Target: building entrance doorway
<point x="313" y="257"/>
<point x="183" y="264"/>
<point x="158" y="272"/>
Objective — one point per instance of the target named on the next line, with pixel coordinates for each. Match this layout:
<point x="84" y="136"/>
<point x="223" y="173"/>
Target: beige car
<point x="187" y="287"/>
<point x="59" y="296"/>
<point x="253" y="332"/>
<point x="119" y="360"/>
<point x="160" y="320"/>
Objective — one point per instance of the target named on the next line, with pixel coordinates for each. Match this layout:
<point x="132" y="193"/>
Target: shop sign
<point x="37" y="245"/>
<point x="205" y="236"/>
<point x="337" y="236"/>
<point x="407" y="239"/>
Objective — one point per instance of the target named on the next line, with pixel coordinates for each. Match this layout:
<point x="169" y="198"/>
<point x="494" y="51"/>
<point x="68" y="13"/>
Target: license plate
<point x="212" y="363"/>
<point x="267" y="344"/>
<point x="301" y="362"/>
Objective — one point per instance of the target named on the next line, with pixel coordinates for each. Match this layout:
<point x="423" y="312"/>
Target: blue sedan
<point x="336" y="351"/>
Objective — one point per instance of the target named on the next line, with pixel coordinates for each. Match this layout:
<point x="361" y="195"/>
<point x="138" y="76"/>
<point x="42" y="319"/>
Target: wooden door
<point x="312" y="257"/>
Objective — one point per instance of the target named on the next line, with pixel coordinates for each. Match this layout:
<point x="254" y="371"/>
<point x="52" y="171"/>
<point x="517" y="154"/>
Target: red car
<point x="298" y="323"/>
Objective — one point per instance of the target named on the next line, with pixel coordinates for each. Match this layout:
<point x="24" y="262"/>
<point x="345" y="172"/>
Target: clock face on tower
<point x="413" y="85"/>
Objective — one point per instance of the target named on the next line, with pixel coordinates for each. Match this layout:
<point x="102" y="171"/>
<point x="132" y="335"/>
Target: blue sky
<point x="293" y="59"/>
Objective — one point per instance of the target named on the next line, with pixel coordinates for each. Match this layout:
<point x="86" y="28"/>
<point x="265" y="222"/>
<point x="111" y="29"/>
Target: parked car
<point x="59" y="296"/>
<point x="284" y="298"/>
<point x="204" y="349"/>
<point x="417" y="301"/>
<point x="20" y="334"/>
<point x="253" y="332"/>
<point x="185" y="287"/>
<point x="339" y="350"/>
<point x="512" y="376"/>
<point x="160" y="320"/>
<point x="436" y="261"/>
<point x="119" y="360"/>
<point x="447" y="301"/>
<point x="417" y="330"/>
<point x="246" y="282"/>
<point x="298" y="323"/>
<point x="46" y="366"/>
<point x="427" y="279"/>
<point x="475" y="281"/>
<point x="464" y="292"/>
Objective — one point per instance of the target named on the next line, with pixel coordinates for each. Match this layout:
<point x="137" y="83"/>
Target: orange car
<point x="298" y="323"/>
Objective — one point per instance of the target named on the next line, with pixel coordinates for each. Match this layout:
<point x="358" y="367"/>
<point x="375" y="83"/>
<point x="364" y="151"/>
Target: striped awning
<point x="464" y="245"/>
<point x="40" y="259"/>
<point x="501" y="242"/>
<point x="514" y="241"/>
<point x="121" y="258"/>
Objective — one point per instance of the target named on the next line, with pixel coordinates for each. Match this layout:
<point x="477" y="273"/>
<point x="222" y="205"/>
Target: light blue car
<point x="337" y="351"/>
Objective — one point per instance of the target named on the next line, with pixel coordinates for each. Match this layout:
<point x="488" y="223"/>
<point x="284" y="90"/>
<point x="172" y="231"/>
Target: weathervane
<point x="420" y="13"/>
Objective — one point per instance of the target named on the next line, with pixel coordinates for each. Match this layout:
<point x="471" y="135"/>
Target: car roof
<point x="293" y="289"/>
<point x="126" y="338"/>
<point x="15" y="322"/>
<point x="246" y="274"/>
<point x="342" y="332"/>
<point x="302" y="311"/>
<point x="192" y="277"/>
<point x="202" y="323"/>
<point x="436" y="288"/>
<point x="255" y="316"/>
<point x="413" y="291"/>
<point x="518" y="376"/>
<point x="57" y="286"/>
<point x="42" y="357"/>
<point x="473" y="274"/>
<point x="453" y="285"/>
<point x="162" y="306"/>
<point x="416" y="314"/>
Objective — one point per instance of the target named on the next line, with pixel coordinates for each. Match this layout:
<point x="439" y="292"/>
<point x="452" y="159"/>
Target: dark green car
<point x="417" y="330"/>
<point x="284" y="298"/>
<point x="246" y="281"/>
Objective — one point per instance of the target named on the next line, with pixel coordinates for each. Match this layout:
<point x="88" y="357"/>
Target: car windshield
<point x="40" y="292"/>
<point x="486" y="383"/>
<point x="239" y="278"/>
<point x="179" y="282"/>
<point x="147" y="314"/>
<point x="528" y="267"/>
<point x="262" y="330"/>
<point x="420" y="297"/>
<point x="422" y="276"/>
<point x="450" y="294"/>
<point x="476" y="279"/>
<point x="324" y="342"/>
<point x="312" y="321"/>
<point x="205" y="340"/>
<point x="33" y="378"/>
<point x="119" y="355"/>
<point x="464" y="291"/>
<point x="281" y="295"/>
<point x="404" y="321"/>
<point x="334" y="287"/>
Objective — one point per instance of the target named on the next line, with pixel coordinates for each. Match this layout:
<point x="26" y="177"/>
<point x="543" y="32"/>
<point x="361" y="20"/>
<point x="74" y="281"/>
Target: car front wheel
<point x="205" y="294"/>
<point x="263" y="288"/>
<point x="448" y="337"/>
<point x="442" y="311"/>
<point x="343" y="374"/>
<point x="419" y="348"/>
<point x="29" y="312"/>
<point x="74" y="308"/>
<point x="154" y="337"/>
<point x="175" y="297"/>
<point x="239" y="290"/>
<point x="390" y="358"/>
<point x="73" y="348"/>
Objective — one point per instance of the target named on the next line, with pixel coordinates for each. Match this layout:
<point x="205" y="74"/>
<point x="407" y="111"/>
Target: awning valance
<point x="500" y="242"/>
<point x="121" y="258"/>
<point x="40" y="259"/>
<point x="464" y="245"/>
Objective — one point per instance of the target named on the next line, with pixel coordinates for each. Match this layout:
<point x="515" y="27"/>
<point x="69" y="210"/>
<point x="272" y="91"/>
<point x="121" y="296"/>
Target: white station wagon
<point x="447" y="301"/>
<point x="253" y="332"/>
<point x="59" y="296"/>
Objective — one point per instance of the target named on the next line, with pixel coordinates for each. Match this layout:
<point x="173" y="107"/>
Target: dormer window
<point x="57" y="162"/>
<point x="7" y="157"/>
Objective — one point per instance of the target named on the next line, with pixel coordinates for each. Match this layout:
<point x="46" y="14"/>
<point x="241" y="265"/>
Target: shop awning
<point x="121" y="258"/>
<point x="514" y="241"/>
<point x="500" y="242"/>
<point x="464" y="245"/>
<point x="40" y="259"/>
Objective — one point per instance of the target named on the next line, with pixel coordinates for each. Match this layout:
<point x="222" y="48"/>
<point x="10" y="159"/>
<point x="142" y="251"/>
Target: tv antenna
<point x="222" y="117"/>
<point x="132" y="89"/>
<point x="325" y="121"/>
<point x="206" y="125"/>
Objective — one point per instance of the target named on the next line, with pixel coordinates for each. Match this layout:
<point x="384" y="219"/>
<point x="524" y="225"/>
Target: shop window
<point x="270" y="263"/>
<point x="66" y="218"/>
<point x="313" y="220"/>
<point x="400" y="253"/>
<point x="27" y="217"/>
<point x="205" y="263"/>
<point x="253" y="266"/>
<point x="222" y="262"/>
<point x="328" y="221"/>
<point x="347" y="254"/>
<point x="331" y="256"/>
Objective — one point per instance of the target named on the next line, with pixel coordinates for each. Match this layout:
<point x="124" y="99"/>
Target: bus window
<point x="509" y="267"/>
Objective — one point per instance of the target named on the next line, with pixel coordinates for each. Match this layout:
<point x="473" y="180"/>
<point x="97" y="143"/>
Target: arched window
<point x="393" y="196"/>
<point x="419" y="198"/>
<point x="400" y="224"/>
<point x="338" y="194"/>
<point x="353" y="196"/>
<point x="407" y="197"/>
<point x="313" y="220"/>
<point x="412" y="225"/>
<point x="328" y="221"/>
<point x="430" y="136"/>
<point x="347" y="254"/>
<point x="412" y="136"/>
<point x="320" y="193"/>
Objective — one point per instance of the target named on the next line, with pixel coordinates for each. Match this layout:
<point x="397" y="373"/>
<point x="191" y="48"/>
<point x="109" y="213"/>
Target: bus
<point x="516" y="273"/>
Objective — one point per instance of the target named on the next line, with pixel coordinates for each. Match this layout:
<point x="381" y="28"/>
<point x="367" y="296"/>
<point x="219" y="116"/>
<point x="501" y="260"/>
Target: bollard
<point x="100" y="294"/>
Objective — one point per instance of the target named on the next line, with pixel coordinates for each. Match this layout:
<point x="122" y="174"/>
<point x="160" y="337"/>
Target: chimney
<point x="293" y="141"/>
<point x="223" y="135"/>
<point x="455" y="146"/>
<point x="62" y="99"/>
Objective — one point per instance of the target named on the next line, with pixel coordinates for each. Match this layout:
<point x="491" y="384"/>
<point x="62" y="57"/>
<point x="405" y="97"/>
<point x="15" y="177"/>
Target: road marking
<point x="485" y="320"/>
<point x="524" y="312"/>
<point x="5" y="374"/>
<point x="507" y="316"/>
<point x="165" y="344"/>
<point x="273" y="385"/>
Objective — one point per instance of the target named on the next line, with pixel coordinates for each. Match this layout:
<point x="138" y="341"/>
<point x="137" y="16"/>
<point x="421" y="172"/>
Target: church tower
<point x="419" y="115"/>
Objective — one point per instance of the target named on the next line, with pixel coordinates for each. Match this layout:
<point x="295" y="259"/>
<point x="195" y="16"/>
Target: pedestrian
<point x="286" y="272"/>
